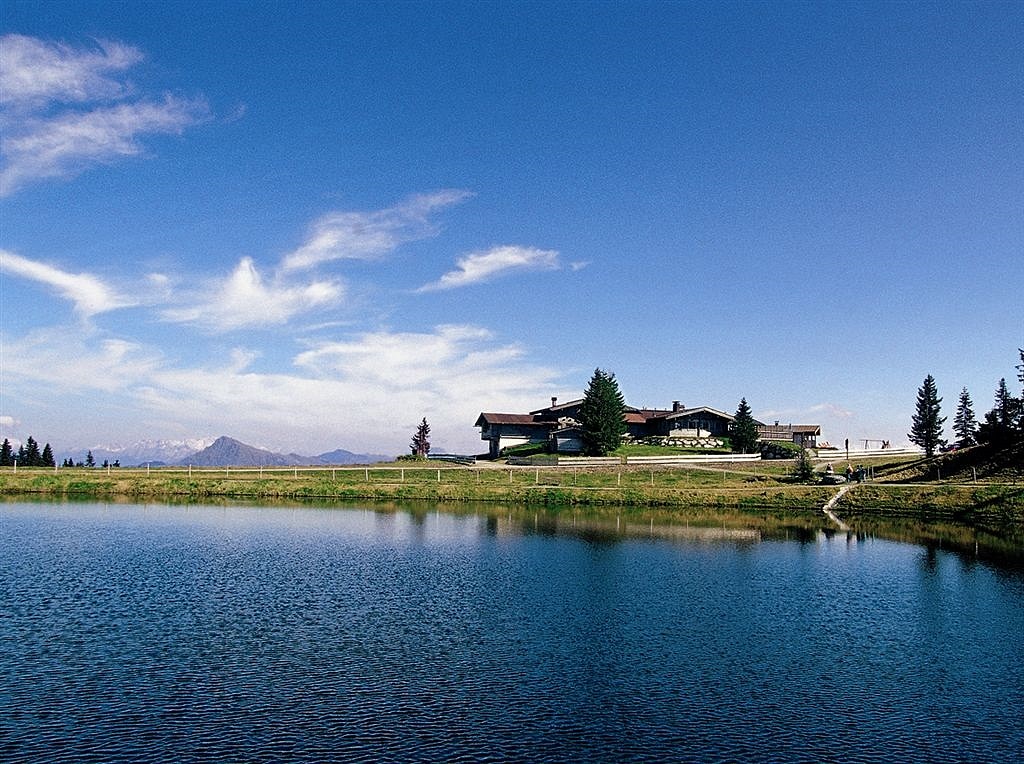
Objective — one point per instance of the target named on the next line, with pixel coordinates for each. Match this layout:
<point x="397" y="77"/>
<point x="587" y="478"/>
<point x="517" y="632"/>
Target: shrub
<point x="779" y="449"/>
<point x="803" y="470"/>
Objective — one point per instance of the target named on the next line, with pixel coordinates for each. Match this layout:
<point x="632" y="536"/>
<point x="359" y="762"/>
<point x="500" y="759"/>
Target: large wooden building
<point x="558" y="425"/>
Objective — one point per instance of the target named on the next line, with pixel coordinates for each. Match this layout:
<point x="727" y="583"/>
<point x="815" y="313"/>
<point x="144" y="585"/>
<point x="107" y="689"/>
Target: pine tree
<point x="48" y="460"/>
<point x="926" y="424"/>
<point x="743" y="431"/>
<point x="421" y="440"/>
<point x="964" y="423"/>
<point x="89" y="460"/>
<point x="6" y="454"/>
<point x="1003" y="424"/>
<point x="803" y="469"/>
<point x="602" y="415"/>
<point x="32" y="456"/>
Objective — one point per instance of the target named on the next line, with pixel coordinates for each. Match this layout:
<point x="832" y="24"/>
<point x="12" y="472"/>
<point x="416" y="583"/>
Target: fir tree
<point x="926" y="424"/>
<point x="32" y="456"/>
<point x="964" y="423"/>
<point x="421" y="440"/>
<point x="6" y="454"/>
<point x="803" y="469"/>
<point x="1005" y="422"/>
<point x="602" y="415"/>
<point x="743" y="430"/>
<point x="89" y="460"/>
<point x="48" y="460"/>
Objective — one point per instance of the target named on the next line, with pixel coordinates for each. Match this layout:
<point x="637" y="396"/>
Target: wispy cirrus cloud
<point x="367" y="235"/>
<point x="479" y="267"/>
<point x="244" y="300"/>
<point x="64" y="109"/>
<point x="36" y="71"/>
<point x="89" y="294"/>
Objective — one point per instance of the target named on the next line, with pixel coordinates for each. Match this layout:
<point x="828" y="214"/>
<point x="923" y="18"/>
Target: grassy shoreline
<point x="988" y="505"/>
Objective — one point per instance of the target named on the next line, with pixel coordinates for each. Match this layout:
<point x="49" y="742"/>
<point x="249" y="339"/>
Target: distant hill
<point x="228" y="452"/>
<point x="152" y="452"/>
<point x="341" y="456"/>
<point x="222" y="452"/>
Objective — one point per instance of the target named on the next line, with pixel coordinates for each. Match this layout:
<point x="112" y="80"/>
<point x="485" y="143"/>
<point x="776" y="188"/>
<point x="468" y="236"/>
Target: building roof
<point x="695" y="410"/>
<point x="521" y="419"/>
<point x="558" y="407"/>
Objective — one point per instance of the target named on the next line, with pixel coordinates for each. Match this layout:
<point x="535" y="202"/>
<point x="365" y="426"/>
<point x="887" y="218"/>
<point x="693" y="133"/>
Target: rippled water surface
<point x="151" y="633"/>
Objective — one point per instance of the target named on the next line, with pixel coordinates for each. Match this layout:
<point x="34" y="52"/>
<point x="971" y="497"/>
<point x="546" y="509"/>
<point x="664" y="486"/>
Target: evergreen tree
<point x="20" y="458"/>
<point x="602" y="415"/>
<point x="1003" y="424"/>
<point x="32" y="456"/>
<point x="6" y="454"/>
<point x="803" y="469"/>
<point x="48" y="460"/>
<point x="89" y="460"/>
<point x="743" y="431"/>
<point x="421" y="440"/>
<point x="926" y="424"/>
<point x="964" y="424"/>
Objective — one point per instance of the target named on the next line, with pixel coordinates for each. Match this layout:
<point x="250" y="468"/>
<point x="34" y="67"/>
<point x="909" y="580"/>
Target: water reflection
<point x="420" y="632"/>
<point x="613" y="525"/>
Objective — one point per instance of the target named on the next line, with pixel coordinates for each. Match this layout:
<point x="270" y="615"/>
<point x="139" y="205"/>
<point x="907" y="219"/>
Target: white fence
<point x="693" y="459"/>
<point x="588" y="461"/>
<point x="830" y="455"/>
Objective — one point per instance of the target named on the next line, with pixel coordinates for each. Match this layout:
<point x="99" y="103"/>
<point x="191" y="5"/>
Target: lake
<point x="145" y="633"/>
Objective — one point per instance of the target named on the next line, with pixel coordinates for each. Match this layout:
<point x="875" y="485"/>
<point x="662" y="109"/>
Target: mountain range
<point x="222" y="452"/>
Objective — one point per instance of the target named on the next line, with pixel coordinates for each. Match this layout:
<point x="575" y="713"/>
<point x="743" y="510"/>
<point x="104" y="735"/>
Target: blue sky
<point x="309" y="225"/>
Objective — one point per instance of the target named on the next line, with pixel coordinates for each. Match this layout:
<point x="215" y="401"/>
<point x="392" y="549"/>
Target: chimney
<point x="554" y="401"/>
<point x="676" y="406"/>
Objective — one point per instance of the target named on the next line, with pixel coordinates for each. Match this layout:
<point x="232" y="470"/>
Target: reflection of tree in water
<point x="970" y="545"/>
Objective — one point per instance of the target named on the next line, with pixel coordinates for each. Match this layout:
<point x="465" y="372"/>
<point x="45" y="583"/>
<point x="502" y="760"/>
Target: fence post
<point x="439" y="476"/>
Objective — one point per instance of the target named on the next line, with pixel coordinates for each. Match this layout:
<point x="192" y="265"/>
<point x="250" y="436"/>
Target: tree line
<point x="29" y="455"/>
<point x="1002" y="426"/>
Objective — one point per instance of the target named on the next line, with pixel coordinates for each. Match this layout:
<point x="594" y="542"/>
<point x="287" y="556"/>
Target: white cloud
<point x="88" y="293"/>
<point x="361" y="392"/>
<point x="244" y="300"/>
<point x="62" y="112"/>
<point x="71" y="363"/>
<point x="831" y="410"/>
<point x="366" y="235"/>
<point x="478" y="267"/>
<point x="7" y="421"/>
<point x="32" y="70"/>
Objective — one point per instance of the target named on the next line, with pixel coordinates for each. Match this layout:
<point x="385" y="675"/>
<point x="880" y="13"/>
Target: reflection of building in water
<point x="538" y="524"/>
